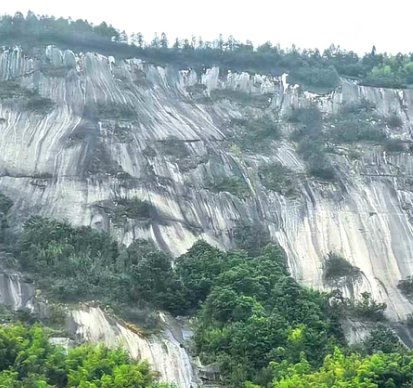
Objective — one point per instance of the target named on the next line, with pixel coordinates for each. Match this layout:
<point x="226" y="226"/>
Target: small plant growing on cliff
<point x="406" y="286"/>
<point x="175" y="147"/>
<point x="409" y="320"/>
<point x="233" y="185"/>
<point x="254" y="134"/>
<point x="393" y="145"/>
<point x="131" y="208"/>
<point x="394" y="120"/>
<point x="337" y="267"/>
<point x="113" y="111"/>
<point x="278" y="178"/>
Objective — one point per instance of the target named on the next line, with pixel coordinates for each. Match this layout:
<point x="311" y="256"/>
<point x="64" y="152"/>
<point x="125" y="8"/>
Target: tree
<point x="140" y="40"/>
<point x="155" y="43"/>
<point x="177" y="45"/>
<point x="200" y="43"/>
<point x="164" y="41"/>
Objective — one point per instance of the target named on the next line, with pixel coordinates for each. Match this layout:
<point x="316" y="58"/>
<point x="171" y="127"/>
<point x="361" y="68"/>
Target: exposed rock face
<point x="109" y="135"/>
<point x="16" y="293"/>
<point x="165" y="351"/>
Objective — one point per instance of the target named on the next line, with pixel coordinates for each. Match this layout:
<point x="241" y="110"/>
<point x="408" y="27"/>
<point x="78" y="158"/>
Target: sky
<point x="353" y="24"/>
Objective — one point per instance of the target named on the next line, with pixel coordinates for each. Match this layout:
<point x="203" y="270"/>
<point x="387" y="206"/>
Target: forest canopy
<point x="314" y="70"/>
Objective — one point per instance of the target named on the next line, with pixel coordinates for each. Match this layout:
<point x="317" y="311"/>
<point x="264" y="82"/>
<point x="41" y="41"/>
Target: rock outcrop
<point x="125" y="129"/>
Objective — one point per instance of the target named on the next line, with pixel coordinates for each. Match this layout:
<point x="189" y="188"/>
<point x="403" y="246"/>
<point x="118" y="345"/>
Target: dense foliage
<point x="380" y="370"/>
<point x="337" y="267"/>
<point x="28" y="360"/>
<point x="77" y="263"/>
<point x="254" y="312"/>
<point x="310" y="68"/>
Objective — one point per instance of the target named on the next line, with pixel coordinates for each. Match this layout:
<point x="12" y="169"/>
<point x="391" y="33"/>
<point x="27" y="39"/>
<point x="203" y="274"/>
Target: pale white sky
<point x="353" y="24"/>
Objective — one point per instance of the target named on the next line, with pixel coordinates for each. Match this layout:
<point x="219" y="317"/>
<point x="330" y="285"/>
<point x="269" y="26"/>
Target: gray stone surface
<point x="48" y="165"/>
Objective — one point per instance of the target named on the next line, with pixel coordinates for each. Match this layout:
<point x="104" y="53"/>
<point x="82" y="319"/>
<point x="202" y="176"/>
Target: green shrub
<point x="254" y="134"/>
<point x="32" y="101"/>
<point x="114" y="111"/>
<point x="73" y="264"/>
<point x="318" y="79"/>
<point x="353" y="128"/>
<point x="241" y="97"/>
<point x="409" y="320"/>
<point x="337" y="267"/>
<point x="383" y="339"/>
<point x="394" y="120"/>
<point x="356" y="107"/>
<point x="11" y="89"/>
<point x="311" y="118"/>
<point x="5" y="205"/>
<point x="320" y="167"/>
<point x="367" y="308"/>
<point x="52" y="71"/>
<point x="146" y="317"/>
<point x="393" y="145"/>
<point x="251" y="238"/>
<point x="278" y="178"/>
<point x="233" y="185"/>
<point x="133" y="208"/>
<point x="406" y="286"/>
<point x="172" y="146"/>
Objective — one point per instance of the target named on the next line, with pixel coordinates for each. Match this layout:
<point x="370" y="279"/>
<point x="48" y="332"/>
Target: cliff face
<point x="121" y="130"/>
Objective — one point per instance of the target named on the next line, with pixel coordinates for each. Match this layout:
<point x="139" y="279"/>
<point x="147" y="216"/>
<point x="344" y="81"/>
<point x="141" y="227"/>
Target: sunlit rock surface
<point x="105" y="139"/>
<point x="165" y="351"/>
<point x="15" y="292"/>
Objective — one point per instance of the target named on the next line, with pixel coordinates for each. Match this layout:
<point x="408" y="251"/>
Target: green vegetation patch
<point x="32" y="101"/>
<point x="311" y="141"/>
<point x="394" y="145"/>
<point x="278" y="178"/>
<point x="234" y="185"/>
<point x="406" y="286"/>
<point x="52" y="71"/>
<point x="357" y="122"/>
<point x="114" y="111"/>
<point x="337" y="267"/>
<point x="255" y="134"/>
<point x="241" y="97"/>
<point x="132" y="208"/>
<point x="316" y="79"/>
<point x="172" y="146"/>
<point x="29" y="360"/>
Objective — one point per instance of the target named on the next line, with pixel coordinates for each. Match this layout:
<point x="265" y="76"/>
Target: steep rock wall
<point x="106" y="138"/>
